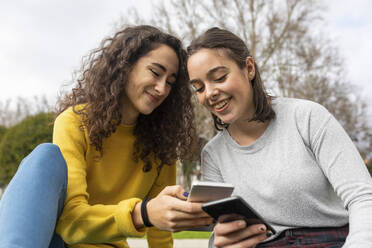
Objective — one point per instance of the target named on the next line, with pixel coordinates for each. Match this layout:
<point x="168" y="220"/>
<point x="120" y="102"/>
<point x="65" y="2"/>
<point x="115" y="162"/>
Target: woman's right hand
<point x="170" y="211"/>
<point x="235" y="234"/>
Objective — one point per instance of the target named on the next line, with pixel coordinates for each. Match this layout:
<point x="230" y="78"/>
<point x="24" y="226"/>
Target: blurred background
<point x="317" y="50"/>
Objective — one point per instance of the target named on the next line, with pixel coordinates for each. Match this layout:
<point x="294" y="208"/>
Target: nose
<point x="161" y="87"/>
<point x="211" y="92"/>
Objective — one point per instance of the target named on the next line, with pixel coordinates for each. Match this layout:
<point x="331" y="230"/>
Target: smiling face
<point x="149" y="82"/>
<point x="221" y="85"/>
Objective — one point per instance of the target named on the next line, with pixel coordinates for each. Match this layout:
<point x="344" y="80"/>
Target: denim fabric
<point x="322" y="237"/>
<point x="33" y="201"/>
<point x="328" y="237"/>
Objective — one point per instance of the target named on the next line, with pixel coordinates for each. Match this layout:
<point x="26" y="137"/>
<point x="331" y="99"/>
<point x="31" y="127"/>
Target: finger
<point x="191" y="223"/>
<point x="193" y="208"/>
<point x="229" y="218"/>
<point x="239" y="235"/>
<point x="173" y="215"/>
<point x="226" y="228"/>
<point x="250" y="231"/>
<point x="191" y="216"/>
<point x="251" y="242"/>
<point x="175" y="191"/>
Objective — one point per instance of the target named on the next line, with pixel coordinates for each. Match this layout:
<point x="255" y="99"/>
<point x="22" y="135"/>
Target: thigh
<point x="329" y="237"/>
<point x="33" y="200"/>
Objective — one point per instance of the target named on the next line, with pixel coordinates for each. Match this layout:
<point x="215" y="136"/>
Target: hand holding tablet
<point x="209" y="191"/>
<point x="235" y="205"/>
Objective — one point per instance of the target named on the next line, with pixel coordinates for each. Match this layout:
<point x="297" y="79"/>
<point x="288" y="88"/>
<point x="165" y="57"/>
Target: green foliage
<point x="2" y="132"/>
<point x="19" y="140"/>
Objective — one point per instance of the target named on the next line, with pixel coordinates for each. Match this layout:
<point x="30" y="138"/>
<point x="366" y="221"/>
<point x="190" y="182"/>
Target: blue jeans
<point x="33" y="201"/>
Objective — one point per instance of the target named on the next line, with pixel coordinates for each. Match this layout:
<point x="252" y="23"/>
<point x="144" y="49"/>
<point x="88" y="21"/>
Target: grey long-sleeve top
<point x="304" y="171"/>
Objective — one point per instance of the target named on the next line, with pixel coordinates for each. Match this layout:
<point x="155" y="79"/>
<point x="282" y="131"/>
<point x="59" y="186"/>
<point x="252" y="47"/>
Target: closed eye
<point x="154" y="72"/>
<point x="170" y="83"/>
<point x="222" y="78"/>
<point x="197" y="88"/>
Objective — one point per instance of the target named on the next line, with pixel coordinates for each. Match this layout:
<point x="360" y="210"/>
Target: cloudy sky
<point x="42" y="41"/>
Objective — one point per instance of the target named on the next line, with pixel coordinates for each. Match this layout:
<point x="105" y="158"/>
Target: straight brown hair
<point x="236" y="49"/>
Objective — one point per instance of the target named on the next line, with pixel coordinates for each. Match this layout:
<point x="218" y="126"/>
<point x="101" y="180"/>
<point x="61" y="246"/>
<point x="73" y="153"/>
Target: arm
<point x="345" y="170"/>
<point x="156" y="237"/>
<point x="210" y="170"/>
<point x="81" y="222"/>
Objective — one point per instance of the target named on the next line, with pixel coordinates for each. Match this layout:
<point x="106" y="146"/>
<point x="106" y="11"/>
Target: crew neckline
<point x="127" y="125"/>
<point x="257" y="144"/>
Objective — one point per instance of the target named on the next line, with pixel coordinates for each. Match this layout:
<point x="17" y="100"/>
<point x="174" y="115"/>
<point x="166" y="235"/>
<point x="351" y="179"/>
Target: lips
<point x="221" y="105"/>
<point x="152" y="97"/>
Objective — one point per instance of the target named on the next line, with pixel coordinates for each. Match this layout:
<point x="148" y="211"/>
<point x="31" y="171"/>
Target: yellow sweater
<point x="102" y="191"/>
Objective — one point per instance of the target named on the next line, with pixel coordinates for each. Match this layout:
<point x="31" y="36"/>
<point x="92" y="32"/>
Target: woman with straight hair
<point x="288" y="158"/>
<point x="110" y="173"/>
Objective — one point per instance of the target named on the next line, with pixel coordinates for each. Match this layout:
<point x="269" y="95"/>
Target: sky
<point x="42" y="41"/>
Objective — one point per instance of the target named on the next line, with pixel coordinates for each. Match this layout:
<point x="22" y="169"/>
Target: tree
<point x="13" y="111"/>
<point x="2" y="132"/>
<point x="19" y="140"/>
<point x="288" y="42"/>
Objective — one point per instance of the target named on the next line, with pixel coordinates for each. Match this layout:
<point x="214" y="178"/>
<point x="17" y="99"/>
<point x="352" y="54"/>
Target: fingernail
<point x="269" y="234"/>
<point x="262" y="228"/>
<point x="241" y="223"/>
<point x="185" y="194"/>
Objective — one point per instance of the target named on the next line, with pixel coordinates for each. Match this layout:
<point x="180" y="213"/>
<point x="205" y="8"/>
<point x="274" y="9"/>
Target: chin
<point x="226" y="119"/>
<point x="146" y="111"/>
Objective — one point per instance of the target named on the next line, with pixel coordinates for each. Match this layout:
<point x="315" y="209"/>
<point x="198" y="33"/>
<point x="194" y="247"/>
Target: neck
<point x="128" y="112"/>
<point x="245" y="132"/>
<point x="129" y="115"/>
<point x="128" y="118"/>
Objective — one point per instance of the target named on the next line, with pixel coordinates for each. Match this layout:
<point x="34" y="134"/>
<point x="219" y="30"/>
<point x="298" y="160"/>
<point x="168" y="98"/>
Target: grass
<point x="191" y="235"/>
<point x="188" y="235"/>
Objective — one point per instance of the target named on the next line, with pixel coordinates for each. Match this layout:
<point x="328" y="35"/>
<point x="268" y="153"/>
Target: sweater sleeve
<point x="210" y="170"/>
<point x="81" y="222"/>
<point x="156" y="237"/>
<point x="347" y="173"/>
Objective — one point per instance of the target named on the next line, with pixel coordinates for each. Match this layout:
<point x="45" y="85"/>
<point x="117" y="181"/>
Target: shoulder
<point x="300" y="108"/>
<point x="69" y="122"/>
<point x="68" y="129"/>
<point x="70" y="115"/>
<point x="217" y="145"/>
<point x="215" y="142"/>
<point x="307" y="117"/>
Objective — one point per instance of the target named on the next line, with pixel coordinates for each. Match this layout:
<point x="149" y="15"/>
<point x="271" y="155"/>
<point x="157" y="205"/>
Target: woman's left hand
<point x="236" y="234"/>
<point x="171" y="212"/>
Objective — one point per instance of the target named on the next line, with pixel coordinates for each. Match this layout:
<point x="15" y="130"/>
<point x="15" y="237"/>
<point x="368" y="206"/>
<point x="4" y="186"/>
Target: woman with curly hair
<point x="120" y="132"/>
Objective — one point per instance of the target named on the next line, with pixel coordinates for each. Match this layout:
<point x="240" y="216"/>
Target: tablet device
<point x="204" y="191"/>
<point x="235" y="205"/>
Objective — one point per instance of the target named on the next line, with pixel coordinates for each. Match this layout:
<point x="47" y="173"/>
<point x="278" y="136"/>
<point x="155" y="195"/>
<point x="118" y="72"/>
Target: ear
<point x="249" y="65"/>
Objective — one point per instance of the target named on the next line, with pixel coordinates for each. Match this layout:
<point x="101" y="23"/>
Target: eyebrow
<point x="163" y="68"/>
<point x="209" y="73"/>
<point x="214" y="70"/>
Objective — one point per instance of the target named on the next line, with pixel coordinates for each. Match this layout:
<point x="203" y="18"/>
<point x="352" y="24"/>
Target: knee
<point x="48" y="149"/>
<point x="48" y="158"/>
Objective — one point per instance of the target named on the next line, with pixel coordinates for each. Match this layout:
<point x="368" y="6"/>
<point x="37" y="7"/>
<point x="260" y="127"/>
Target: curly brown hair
<point x="168" y="132"/>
